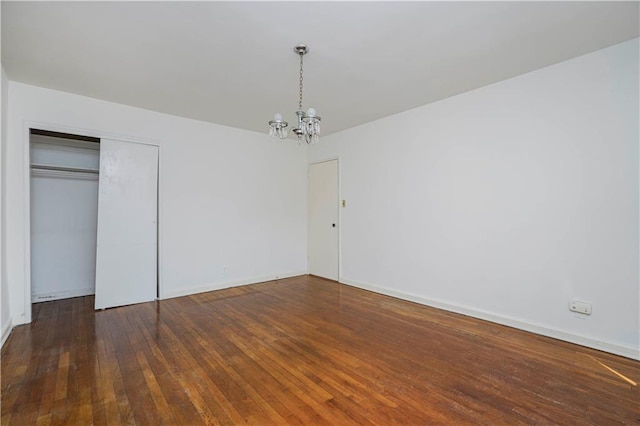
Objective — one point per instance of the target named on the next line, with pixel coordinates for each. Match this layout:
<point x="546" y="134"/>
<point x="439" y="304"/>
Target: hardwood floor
<point x="300" y="351"/>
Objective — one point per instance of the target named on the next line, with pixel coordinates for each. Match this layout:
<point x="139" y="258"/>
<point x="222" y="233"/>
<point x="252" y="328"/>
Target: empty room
<point x="300" y="212"/>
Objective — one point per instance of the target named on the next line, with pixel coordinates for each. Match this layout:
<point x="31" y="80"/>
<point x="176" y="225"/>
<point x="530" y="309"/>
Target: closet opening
<point x="64" y="214"/>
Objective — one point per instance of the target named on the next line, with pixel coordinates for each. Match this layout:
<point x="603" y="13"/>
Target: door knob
<point x="333" y="224"/>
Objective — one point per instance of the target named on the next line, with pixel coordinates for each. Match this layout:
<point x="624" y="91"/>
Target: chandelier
<point x="308" y="122"/>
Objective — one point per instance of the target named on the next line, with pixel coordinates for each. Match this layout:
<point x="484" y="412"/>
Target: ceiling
<point x="232" y="63"/>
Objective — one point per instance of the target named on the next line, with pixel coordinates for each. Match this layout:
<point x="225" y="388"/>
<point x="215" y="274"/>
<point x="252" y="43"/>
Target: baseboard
<point x="61" y="294"/>
<point x="622" y="350"/>
<point x="228" y="284"/>
<point x="6" y="331"/>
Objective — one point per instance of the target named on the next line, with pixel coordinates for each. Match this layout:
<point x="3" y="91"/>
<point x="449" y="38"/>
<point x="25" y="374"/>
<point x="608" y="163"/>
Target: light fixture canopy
<point x="308" y="123"/>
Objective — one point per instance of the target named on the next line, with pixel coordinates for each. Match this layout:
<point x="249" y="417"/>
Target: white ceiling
<point x="233" y="63"/>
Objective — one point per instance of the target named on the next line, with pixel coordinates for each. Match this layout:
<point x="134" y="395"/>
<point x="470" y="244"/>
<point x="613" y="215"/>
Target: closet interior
<point x="64" y="214"/>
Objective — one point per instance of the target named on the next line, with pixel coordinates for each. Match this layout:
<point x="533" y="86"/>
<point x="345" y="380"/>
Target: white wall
<point x="505" y="202"/>
<point x="5" y="313"/>
<point x="232" y="202"/>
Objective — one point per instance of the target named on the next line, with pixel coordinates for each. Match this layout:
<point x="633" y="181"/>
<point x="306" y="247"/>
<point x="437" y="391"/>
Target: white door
<point x="323" y="219"/>
<point x="126" y="257"/>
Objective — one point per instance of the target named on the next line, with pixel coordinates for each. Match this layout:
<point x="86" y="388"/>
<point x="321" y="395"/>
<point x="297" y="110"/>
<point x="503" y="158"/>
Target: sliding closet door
<point x="126" y="258"/>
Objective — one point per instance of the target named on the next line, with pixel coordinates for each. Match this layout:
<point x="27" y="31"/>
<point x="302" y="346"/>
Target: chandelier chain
<point x="301" y="78"/>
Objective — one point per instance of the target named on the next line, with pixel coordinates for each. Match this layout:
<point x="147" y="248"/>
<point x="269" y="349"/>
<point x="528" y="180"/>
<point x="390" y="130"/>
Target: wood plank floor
<point x="300" y="351"/>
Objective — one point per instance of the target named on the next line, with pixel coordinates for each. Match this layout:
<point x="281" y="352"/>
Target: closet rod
<point x="63" y="169"/>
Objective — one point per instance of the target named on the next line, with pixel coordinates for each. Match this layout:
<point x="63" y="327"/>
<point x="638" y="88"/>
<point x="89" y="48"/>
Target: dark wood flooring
<point x="300" y="351"/>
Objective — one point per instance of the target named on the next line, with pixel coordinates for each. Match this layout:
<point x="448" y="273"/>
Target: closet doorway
<point x="94" y="219"/>
<point x="64" y="213"/>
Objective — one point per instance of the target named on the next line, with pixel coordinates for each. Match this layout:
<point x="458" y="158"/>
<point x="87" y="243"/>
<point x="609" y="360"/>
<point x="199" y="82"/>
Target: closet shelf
<point x="63" y="169"/>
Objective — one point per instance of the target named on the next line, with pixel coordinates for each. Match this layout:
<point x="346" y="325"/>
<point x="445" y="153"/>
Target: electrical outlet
<point x="580" y="307"/>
